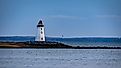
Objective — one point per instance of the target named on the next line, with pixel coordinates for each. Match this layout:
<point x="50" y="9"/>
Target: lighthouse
<point x="40" y="32"/>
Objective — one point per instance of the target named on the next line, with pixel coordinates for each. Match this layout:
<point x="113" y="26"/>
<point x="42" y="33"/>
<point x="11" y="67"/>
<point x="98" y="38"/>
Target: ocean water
<point x="87" y="41"/>
<point x="60" y="58"/>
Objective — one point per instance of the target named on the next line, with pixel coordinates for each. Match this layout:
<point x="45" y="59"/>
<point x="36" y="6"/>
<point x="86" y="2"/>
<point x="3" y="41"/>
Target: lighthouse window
<point x="41" y="38"/>
<point x="41" y="28"/>
<point x="41" y="32"/>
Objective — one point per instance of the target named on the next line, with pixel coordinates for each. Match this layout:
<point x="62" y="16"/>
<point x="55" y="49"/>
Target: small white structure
<point x="41" y="32"/>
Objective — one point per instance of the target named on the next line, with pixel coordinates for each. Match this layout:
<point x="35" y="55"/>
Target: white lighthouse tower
<point x="41" y="32"/>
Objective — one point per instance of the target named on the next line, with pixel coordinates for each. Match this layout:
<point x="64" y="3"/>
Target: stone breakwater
<point x="35" y="44"/>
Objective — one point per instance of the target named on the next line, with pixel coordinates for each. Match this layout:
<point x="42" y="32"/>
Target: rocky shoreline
<point x="46" y="45"/>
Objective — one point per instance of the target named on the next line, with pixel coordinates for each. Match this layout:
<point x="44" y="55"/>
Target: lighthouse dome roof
<point x="40" y="24"/>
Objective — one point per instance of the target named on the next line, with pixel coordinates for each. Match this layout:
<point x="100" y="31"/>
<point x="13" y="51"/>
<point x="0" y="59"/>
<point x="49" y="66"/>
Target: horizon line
<point x="65" y="36"/>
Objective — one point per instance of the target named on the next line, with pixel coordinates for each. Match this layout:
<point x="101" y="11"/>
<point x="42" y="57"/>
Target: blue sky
<point x="71" y="18"/>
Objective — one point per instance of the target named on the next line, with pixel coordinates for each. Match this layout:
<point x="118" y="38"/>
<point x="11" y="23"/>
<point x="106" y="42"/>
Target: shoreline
<point x="60" y="48"/>
<point x="48" y="45"/>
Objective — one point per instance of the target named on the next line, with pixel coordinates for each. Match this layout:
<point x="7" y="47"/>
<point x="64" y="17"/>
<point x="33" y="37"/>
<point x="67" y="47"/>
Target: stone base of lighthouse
<point x="46" y="44"/>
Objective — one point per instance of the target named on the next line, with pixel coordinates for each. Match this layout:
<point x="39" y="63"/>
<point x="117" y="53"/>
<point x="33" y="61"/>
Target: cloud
<point x="64" y="17"/>
<point x="109" y="16"/>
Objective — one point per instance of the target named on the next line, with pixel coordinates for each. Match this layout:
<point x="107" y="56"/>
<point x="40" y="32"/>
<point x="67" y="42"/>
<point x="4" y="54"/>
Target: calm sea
<point x="60" y="58"/>
<point x="87" y="41"/>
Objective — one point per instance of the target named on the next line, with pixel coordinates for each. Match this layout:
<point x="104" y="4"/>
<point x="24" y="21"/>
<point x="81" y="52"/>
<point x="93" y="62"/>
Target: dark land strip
<point x="49" y="45"/>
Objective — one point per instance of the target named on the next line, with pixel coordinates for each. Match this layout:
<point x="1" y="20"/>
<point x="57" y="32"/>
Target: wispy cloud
<point x="65" y="17"/>
<point x="109" y="16"/>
